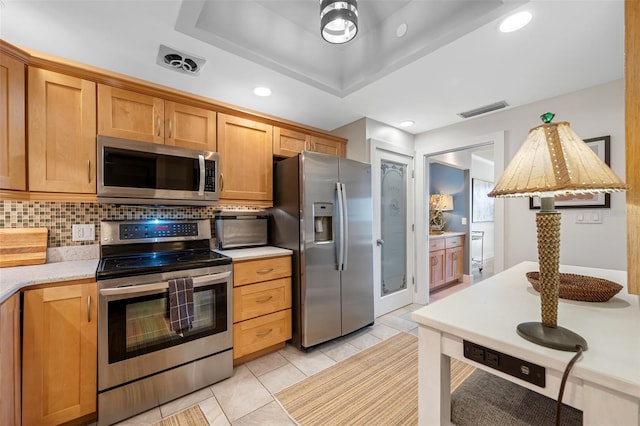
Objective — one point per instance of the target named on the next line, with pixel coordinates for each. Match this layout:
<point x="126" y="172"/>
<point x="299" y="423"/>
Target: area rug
<point x="192" y="416"/>
<point x="378" y="386"/>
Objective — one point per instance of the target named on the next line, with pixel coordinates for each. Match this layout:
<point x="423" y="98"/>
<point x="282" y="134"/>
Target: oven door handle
<point x="133" y="289"/>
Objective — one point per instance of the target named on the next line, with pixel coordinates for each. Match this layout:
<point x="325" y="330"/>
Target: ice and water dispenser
<point x="323" y="222"/>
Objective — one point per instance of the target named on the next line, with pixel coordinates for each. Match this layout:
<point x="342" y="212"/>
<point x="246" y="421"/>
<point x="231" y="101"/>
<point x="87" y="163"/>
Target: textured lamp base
<point x="552" y="337"/>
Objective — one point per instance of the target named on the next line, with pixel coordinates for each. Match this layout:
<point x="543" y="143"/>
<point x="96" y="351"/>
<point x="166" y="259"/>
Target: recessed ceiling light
<point x="262" y="91"/>
<point x="401" y="30"/>
<point x="515" y="21"/>
<point x="407" y="123"/>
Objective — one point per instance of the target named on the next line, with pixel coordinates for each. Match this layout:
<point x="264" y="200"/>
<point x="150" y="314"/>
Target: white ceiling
<point x="452" y="58"/>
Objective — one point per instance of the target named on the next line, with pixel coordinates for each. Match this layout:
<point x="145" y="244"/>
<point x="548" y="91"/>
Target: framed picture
<point x="481" y="204"/>
<point x="600" y="146"/>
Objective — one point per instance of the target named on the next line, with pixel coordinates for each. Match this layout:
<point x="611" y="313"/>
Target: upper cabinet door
<point x="13" y="164"/>
<point x="289" y="143"/>
<point x="245" y="148"/>
<point x="130" y="115"/>
<point x="189" y="127"/>
<point x="328" y="146"/>
<point x="62" y="133"/>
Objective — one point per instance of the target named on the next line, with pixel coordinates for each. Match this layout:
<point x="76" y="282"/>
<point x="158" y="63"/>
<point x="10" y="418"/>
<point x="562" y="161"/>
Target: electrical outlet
<point x="83" y="232"/>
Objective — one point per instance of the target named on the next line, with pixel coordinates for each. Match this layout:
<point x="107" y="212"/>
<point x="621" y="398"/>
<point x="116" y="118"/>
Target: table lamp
<point x="439" y="203"/>
<point x="553" y="161"/>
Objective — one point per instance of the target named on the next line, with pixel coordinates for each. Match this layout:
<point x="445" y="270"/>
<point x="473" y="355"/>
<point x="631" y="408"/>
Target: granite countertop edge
<point x="14" y="279"/>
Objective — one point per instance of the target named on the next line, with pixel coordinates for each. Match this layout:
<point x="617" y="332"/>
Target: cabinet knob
<point x="379" y="241"/>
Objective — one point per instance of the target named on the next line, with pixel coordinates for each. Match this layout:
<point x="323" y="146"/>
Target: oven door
<point x="135" y="339"/>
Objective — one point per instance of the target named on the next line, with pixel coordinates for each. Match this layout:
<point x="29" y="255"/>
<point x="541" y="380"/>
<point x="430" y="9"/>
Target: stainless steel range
<point x="141" y="362"/>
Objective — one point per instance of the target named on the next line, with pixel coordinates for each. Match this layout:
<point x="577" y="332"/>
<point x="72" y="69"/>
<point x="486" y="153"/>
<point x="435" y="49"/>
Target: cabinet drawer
<point x="454" y="242"/>
<point x="254" y="271"/>
<point x="259" y="333"/>
<point x="436" y="244"/>
<point x="254" y="300"/>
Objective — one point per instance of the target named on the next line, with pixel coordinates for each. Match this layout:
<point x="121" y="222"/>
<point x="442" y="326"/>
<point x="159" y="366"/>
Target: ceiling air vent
<point x="179" y="61"/>
<point x="483" y="109"/>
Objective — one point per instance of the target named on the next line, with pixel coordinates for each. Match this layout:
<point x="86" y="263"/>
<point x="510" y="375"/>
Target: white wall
<point x="592" y="112"/>
<point x="361" y="131"/>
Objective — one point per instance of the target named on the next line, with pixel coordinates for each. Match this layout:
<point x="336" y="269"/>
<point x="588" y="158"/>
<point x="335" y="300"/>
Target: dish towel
<point x="181" y="304"/>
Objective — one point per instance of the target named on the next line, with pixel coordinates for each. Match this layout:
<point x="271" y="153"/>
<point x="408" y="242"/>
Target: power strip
<point x="516" y="367"/>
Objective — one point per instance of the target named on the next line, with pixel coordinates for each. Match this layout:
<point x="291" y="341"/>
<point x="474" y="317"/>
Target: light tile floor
<point x="247" y="398"/>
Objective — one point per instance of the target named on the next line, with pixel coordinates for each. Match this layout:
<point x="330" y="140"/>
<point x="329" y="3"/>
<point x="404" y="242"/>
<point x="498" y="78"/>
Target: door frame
<point x="374" y="146"/>
<point x="422" y="208"/>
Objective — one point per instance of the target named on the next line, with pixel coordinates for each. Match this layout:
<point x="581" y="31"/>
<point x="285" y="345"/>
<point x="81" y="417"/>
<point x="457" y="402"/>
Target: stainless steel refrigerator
<point x="323" y="212"/>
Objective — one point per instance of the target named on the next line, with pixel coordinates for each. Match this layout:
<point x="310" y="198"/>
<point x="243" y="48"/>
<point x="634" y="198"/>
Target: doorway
<point x="445" y="150"/>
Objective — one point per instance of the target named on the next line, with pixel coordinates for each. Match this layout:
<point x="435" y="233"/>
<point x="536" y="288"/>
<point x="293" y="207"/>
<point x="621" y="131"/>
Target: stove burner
<point x="147" y="263"/>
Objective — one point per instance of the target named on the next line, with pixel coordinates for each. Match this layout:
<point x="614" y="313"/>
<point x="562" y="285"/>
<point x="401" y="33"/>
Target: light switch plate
<point x="590" y="217"/>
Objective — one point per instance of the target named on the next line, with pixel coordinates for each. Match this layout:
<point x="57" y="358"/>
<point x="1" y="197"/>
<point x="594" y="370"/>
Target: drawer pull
<point x="264" y="333"/>
<point x="264" y="299"/>
<point x="264" y="271"/>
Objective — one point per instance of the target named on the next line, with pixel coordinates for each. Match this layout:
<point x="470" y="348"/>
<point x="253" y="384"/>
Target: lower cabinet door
<point x="436" y="268"/>
<point x="10" y="361"/>
<point x="59" y="354"/>
<point x="260" y="333"/>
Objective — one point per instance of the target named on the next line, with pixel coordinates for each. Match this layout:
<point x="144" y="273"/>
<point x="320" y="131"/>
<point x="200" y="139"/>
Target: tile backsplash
<point x="58" y="217"/>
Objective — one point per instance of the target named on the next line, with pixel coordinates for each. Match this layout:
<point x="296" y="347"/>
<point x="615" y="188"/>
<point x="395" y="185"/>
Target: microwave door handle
<point x="133" y="289"/>
<point x="202" y="173"/>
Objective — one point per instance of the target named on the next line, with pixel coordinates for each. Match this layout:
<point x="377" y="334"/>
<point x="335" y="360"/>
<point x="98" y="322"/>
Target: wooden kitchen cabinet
<point x="261" y="306"/>
<point x="59" y="353"/>
<point x="246" y="160"/>
<point x="436" y="263"/>
<point x="13" y="164"/>
<point x="446" y="260"/>
<point x="454" y="265"/>
<point x="130" y="115"/>
<point x="62" y="133"/>
<point x="289" y="143"/>
<point x="328" y="146"/>
<point x="10" y="361"/>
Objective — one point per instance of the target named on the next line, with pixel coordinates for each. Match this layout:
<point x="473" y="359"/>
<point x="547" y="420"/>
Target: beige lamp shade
<point x="555" y="161"/>
<point x="441" y="202"/>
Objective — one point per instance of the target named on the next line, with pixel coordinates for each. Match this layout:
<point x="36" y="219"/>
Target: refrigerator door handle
<point x="345" y="219"/>
<point x="340" y="243"/>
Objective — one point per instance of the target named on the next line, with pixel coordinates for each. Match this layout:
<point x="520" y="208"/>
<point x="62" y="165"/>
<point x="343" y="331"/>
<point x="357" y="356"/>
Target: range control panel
<point x="508" y="364"/>
<point x="141" y="231"/>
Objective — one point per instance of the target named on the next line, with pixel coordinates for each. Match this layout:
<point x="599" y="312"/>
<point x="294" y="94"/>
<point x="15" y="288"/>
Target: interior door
<point x="393" y="222"/>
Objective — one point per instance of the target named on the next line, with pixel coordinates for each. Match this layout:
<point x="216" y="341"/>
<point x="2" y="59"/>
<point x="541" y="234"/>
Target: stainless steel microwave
<point x="132" y="172"/>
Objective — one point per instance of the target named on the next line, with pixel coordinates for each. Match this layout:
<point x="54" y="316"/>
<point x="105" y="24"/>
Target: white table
<point x="604" y="383"/>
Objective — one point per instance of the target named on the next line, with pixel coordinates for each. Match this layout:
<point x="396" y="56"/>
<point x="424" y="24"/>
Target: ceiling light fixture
<point x="407" y="123"/>
<point x="262" y="91"/>
<point x="338" y="20"/>
<point x="515" y="21"/>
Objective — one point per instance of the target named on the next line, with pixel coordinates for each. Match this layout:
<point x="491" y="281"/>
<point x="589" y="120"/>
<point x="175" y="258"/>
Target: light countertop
<point x="254" y="252"/>
<point x="445" y="235"/>
<point x="14" y="279"/>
